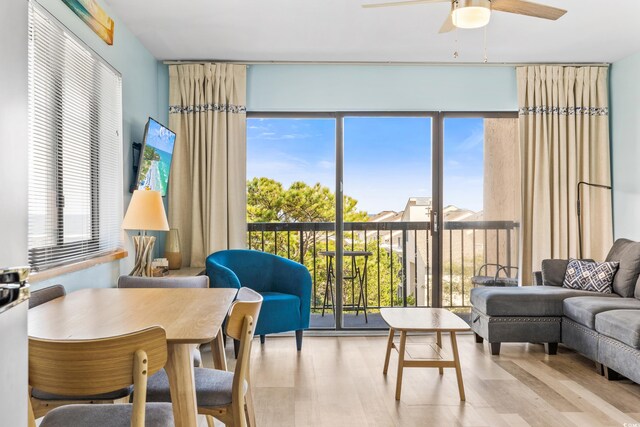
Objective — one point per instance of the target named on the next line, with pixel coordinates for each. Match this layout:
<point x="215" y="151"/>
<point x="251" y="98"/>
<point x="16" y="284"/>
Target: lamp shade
<point x="146" y="212"/>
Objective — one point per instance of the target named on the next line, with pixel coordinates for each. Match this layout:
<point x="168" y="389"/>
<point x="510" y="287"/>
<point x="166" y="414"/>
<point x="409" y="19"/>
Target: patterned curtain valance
<point x="203" y="108"/>
<point x="565" y="111"/>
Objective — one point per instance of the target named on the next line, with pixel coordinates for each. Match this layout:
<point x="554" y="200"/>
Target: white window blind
<point x="75" y="148"/>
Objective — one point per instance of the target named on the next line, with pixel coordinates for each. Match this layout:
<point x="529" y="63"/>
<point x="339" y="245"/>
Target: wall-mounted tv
<point x="155" y="158"/>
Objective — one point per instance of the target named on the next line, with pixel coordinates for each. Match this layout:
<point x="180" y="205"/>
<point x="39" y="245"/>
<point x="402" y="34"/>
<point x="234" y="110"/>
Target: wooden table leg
<point x="439" y="343"/>
<point x="401" y="350"/>
<point x="217" y="351"/>
<point x="456" y="360"/>
<point x="179" y="369"/>
<point x="389" y="347"/>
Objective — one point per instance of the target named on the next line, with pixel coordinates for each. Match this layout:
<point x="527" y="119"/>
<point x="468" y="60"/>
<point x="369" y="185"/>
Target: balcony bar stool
<point x="42" y="402"/>
<point x="91" y="367"/>
<point x="221" y="394"/>
<point x="357" y="276"/>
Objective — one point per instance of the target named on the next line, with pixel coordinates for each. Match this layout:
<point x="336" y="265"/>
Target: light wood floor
<point x="338" y="381"/>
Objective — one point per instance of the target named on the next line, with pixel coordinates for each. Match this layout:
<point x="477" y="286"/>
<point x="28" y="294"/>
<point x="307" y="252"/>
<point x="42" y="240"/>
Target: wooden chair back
<point x="89" y="367"/>
<point x="163" y="282"/>
<point x="248" y="303"/>
<point x="241" y="324"/>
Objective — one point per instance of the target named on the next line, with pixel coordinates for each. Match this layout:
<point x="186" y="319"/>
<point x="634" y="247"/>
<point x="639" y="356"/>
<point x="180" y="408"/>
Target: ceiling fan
<point x="477" y="13"/>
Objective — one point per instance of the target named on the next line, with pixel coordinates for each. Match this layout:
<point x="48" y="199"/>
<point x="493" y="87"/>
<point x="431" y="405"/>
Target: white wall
<point x="380" y="88"/>
<point x="13" y="132"/>
<point x="142" y="92"/>
<point x="625" y="141"/>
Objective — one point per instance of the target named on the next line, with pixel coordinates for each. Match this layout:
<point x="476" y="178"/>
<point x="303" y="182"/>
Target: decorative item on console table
<point x="172" y="249"/>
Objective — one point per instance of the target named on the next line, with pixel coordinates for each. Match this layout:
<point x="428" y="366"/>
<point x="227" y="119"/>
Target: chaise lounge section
<point x="602" y="327"/>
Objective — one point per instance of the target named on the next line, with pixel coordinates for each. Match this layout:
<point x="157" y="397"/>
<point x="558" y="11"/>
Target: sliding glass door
<point x="388" y="205"/>
<point x="385" y="209"/>
<point x="481" y="204"/>
<point x="291" y="205"/>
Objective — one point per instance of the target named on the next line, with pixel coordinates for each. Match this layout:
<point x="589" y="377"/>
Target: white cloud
<point x="474" y="140"/>
<point x="325" y="164"/>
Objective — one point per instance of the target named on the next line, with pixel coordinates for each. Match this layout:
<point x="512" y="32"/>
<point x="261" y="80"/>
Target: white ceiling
<point x="340" y="30"/>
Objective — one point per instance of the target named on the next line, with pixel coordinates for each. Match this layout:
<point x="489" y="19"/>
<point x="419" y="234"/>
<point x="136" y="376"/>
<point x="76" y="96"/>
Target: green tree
<point x="269" y="201"/>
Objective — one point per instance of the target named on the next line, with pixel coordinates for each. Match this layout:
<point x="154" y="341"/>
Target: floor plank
<point x="338" y="381"/>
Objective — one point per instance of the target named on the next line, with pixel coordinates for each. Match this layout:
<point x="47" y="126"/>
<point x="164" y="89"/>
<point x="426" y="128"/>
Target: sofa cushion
<point x="627" y="253"/>
<point x="590" y="275"/>
<point x="621" y="325"/>
<point x="583" y="310"/>
<point x="536" y="301"/>
<point x="553" y="271"/>
<point x="279" y="313"/>
<point x="637" y="295"/>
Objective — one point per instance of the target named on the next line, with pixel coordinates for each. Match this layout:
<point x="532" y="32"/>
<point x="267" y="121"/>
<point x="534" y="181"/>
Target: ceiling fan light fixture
<point x="470" y="13"/>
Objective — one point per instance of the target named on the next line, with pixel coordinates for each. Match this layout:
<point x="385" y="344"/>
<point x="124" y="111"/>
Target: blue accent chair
<point x="285" y="286"/>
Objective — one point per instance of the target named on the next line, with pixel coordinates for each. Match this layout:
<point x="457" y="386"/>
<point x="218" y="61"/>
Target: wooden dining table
<point x="189" y="317"/>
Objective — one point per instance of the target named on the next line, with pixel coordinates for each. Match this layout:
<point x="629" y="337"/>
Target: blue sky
<point x="386" y="159"/>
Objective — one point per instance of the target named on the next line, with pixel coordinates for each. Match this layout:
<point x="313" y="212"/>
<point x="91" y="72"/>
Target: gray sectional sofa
<point x="603" y="327"/>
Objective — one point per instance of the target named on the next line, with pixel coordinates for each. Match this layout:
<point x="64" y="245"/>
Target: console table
<point x="187" y="272"/>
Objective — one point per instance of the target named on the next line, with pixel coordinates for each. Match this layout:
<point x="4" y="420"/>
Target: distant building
<point x="419" y="242"/>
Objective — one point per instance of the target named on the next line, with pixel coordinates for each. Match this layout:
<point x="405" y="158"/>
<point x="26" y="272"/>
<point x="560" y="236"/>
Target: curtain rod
<point x="389" y="63"/>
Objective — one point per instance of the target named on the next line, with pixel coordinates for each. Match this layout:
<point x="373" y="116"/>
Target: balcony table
<point x="189" y="317"/>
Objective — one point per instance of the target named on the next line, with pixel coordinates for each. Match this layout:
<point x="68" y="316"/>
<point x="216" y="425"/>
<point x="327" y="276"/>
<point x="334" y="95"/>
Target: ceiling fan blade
<point x="447" y="26"/>
<point x="402" y="3"/>
<point x="523" y="7"/>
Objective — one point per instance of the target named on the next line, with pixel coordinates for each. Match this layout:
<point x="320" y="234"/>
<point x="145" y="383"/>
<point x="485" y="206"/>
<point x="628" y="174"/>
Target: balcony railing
<point x="400" y="268"/>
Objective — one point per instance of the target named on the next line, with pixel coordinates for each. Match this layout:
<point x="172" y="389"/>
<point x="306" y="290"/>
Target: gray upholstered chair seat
<point x="583" y="310"/>
<point x="532" y="301"/>
<point x="118" y="394"/>
<point x="156" y="415"/>
<point x="621" y="325"/>
<point x="213" y="387"/>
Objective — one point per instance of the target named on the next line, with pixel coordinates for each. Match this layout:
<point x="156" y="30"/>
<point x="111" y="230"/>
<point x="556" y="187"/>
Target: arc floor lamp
<point x="578" y="210"/>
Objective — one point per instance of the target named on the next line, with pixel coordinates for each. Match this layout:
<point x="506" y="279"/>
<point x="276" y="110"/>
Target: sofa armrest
<point x="537" y="278"/>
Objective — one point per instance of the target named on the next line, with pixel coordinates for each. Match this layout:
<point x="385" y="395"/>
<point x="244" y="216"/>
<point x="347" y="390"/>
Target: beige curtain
<point x="564" y="135"/>
<point x="207" y="188"/>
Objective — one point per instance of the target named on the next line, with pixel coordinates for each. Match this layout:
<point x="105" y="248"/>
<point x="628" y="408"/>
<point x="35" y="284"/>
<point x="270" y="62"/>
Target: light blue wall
<point x="144" y="89"/>
<point x="625" y="134"/>
<point x="380" y="88"/>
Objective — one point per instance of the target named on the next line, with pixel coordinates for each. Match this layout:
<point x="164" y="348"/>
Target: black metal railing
<point x="400" y="268"/>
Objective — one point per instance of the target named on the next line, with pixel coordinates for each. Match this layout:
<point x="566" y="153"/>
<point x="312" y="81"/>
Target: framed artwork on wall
<point x="94" y="16"/>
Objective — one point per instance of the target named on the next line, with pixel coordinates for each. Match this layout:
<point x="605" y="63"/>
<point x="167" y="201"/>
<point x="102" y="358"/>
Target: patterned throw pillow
<point x="590" y="276"/>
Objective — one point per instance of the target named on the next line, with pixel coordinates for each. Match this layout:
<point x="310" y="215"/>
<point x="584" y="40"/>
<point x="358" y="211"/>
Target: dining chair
<point x="89" y="367"/>
<point x="221" y="394"/>
<point x="41" y="401"/>
<point x="168" y="282"/>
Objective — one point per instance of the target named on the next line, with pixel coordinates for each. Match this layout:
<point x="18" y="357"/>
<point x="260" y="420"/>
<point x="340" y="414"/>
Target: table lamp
<point x="145" y="212"/>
